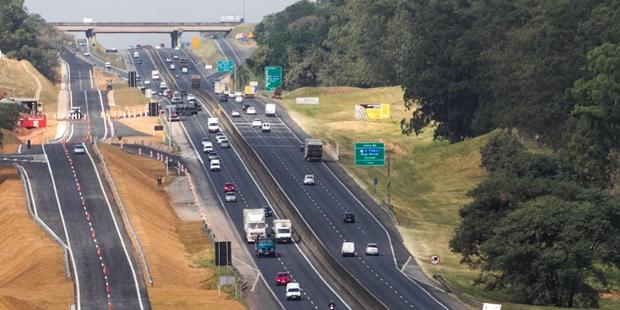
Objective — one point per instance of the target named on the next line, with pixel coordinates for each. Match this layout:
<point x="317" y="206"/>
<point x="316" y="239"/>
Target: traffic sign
<point x="273" y="78"/>
<point x="369" y="154"/>
<point x="225" y="66"/>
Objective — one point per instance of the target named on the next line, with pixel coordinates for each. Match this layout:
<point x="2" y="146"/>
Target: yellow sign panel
<point x="378" y="111"/>
<point x="195" y="42"/>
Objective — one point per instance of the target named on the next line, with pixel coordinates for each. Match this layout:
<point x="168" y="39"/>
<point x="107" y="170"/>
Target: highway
<point x="72" y="200"/>
<point x="323" y="206"/>
<point x="316" y="293"/>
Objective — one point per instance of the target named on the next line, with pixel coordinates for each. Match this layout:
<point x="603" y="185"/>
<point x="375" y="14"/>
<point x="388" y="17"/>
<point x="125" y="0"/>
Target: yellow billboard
<point x="372" y="111"/>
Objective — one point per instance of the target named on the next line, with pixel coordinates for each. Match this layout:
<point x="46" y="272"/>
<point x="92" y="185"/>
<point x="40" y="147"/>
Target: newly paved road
<point x="323" y="206"/>
<point x="316" y="293"/>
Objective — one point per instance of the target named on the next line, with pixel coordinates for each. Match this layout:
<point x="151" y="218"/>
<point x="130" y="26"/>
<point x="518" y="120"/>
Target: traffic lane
<point x="289" y="259"/>
<point x="91" y="284"/>
<point x="44" y="197"/>
<point x="120" y="273"/>
<point x="96" y="114"/>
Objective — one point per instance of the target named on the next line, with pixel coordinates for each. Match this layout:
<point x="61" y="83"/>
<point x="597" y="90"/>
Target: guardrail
<point x="133" y="24"/>
<point x="450" y="289"/>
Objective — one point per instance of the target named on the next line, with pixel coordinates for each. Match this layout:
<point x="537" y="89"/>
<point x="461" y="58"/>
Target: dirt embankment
<point x="174" y="249"/>
<point x="31" y="264"/>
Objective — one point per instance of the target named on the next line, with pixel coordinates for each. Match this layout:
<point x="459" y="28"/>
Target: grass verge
<point x="174" y="249"/>
<point x="17" y="82"/>
<point x="114" y="58"/>
<point x="208" y="52"/>
<point x="31" y="264"/>
<point x="429" y="178"/>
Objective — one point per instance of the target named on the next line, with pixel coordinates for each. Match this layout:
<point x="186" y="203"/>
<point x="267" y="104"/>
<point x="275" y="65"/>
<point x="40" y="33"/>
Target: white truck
<point x="270" y="109"/>
<point x="219" y="87"/>
<point x="213" y="124"/>
<point x="154" y="75"/>
<point x="254" y="224"/>
<point x="283" y="230"/>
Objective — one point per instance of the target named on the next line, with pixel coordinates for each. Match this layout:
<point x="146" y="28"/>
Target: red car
<point x="282" y="278"/>
<point x="229" y="187"/>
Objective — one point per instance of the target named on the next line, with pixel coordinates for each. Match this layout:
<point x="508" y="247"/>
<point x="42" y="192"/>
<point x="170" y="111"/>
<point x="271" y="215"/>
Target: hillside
<point x="16" y="81"/>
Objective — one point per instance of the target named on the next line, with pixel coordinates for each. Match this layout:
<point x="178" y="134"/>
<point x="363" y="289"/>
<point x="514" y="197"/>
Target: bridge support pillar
<point x="176" y="38"/>
<point x="90" y="33"/>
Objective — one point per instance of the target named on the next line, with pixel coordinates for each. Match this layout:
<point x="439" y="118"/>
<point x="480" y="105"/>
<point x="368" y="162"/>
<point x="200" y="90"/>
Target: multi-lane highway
<point x="316" y="290"/>
<point x="70" y="198"/>
<point x="323" y="206"/>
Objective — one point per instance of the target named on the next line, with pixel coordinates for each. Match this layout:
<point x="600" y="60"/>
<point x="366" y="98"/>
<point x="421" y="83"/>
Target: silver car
<point x="79" y="149"/>
<point x="231" y="197"/>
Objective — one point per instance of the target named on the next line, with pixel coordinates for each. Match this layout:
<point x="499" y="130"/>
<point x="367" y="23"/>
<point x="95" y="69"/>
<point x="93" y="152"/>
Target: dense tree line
<point x="541" y="228"/>
<point x="27" y="36"/>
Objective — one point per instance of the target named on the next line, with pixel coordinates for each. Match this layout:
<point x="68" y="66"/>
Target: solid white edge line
<point x="105" y="196"/>
<point x="19" y="149"/>
<point x="103" y="116"/>
<point x="64" y="226"/>
<point x="233" y="51"/>
<point x="90" y="73"/>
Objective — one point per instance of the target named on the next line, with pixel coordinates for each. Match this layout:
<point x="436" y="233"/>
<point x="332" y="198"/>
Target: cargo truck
<point x="195" y="78"/>
<point x="265" y="246"/>
<point x="282" y="230"/>
<point x="254" y="224"/>
<point x="219" y="87"/>
<point x="249" y="92"/>
<point x="270" y="109"/>
<point x="154" y="74"/>
<point x="313" y="150"/>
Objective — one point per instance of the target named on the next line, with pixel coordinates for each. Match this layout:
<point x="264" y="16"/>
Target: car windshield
<point x="257" y="225"/>
<point x="282" y="274"/>
<point x="284" y="230"/>
<point x="293" y="289"/>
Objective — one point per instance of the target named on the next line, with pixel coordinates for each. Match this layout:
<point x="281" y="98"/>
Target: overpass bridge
<point x="175" y="29"/>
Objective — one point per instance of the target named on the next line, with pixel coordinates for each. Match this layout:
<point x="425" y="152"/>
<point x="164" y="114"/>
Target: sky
<point x="151" y="10"/>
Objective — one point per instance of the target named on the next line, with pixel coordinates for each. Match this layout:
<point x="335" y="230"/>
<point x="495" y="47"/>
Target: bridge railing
<point x="148" y="24"/>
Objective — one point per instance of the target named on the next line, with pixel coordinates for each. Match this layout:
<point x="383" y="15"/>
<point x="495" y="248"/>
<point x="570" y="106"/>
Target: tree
<point x="548" y="251"/>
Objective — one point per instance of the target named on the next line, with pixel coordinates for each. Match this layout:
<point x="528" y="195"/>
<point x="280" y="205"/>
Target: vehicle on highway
<point x="313" y="150"/>
<point x="268" y="211"/>
<point x="224" y="98"/>
<point x="108" y="65"/>
<point x="348" y="217"/>
<point x="309" y="179"/>
<point x="265" y="246"/>
<point x="175" y="57"/>
<point x="86" y="54"/>
<point x="207" y="147"/>
<point x="238" y="94"/>
<point x="147" y="82"/>
<point x="213" y="124"/>
<point x="136" y="55"/>
<point x="219" y="137"/>
<point x="372" y="249"/>
<point x="270" y="109"/>
<point x="184" y="70"/>
<point x="250" y="111"/>
<point x="155" y="75"/>
<point x="212" y="155"/>
<point x="174" y="117"/>
<point x="191" y="97"/>
<point x="238" y="99"/>
<point x="231" y="95"/>
<point x="176" y="98"/>
<point x="235" y="113"/>
<point x="245" y="106"/>
<point x="162" y="85"/>
<point x="167" y="93"/>
<point x="172" y="66"/>
<point x="224" y="144"/>
<point x="231" y="197"/>
<point x="265" y="127"/>
<point x="204" y="141"/>
<point x="229" y="187"/>
<point x="348" y="249"/>
<point x="254" y="224"/>
<point x="257" y="123"/>
<point x="282" y="278"/>
<point x="79" y="149"/>
<point x="282" y="229"/>
<point x="293" y="291"/>
<point x="139" y="61"/>
<point x="168" y="60"/>
<point x="214" y="165"/>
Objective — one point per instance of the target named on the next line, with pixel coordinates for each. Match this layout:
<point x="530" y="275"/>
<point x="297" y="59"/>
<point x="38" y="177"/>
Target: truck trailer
<point x="254" y="224"/>
<point x="195" y="78"/>
<point x="313" y="150"/>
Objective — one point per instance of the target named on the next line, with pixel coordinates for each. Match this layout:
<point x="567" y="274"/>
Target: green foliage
<point x="27" y="36"/>
<point x="9" y="113"/>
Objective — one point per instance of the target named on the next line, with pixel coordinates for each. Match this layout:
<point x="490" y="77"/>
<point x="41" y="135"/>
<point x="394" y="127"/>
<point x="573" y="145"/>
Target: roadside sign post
<point x="225" y="65"/>
<point x="273" y="78"/>
<point x="375" y="181"/>
<point x="369" y="154"/>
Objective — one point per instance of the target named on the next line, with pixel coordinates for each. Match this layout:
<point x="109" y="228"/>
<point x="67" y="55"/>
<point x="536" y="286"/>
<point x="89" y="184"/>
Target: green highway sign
<point x="273" y="78"/>
<point x="370" y="154"/>
<point x="225" y="66"/>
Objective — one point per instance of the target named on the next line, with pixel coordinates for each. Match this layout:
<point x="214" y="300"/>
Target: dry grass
<point x="17" y="82"/>
<point x="172" y="247"/>
<point x="208" y="52"/>
<point x="31" y="264"/>
<point x="100" y="77"/>
<point x="114" y="58"/>
<point x="10" y="142"/>
<point x="128" y="98"/>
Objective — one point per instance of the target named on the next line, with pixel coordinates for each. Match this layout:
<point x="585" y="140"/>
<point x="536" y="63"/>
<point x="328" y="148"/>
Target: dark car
<point x="224" y="98"/>
<point x="268" y="211"/>
<point x="348" y="217"/>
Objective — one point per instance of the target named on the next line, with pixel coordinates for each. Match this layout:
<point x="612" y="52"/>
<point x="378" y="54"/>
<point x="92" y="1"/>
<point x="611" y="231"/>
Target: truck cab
<point x="265" y="246"/>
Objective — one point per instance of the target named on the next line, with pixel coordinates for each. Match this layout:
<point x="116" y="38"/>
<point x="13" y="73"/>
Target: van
<point x="213" y="124"/>
<point x="136" y="55"/>
<point x="293" y="291"/>
<point x="348" y="249"/>
<point x="108" y="65"/>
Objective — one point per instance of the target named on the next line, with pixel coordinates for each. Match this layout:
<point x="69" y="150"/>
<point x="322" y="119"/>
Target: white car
<point x="293" y="291"/>
<point x="184" y="70"/>
<point x="238" y="94"/>
<point x="168" y="60"/>
<point x="251" y="111"/>
<point x="231" y="197"/>
<point x="205" y="141"/>
<point x="108" y="65"/>
<point x="348" y="249"/>
<point x="372" y="249"/>
<point x="214" y="165"/>
<point x="235" y="113"/>
<point x="238" y="99"/>
<point x="79" y="149"/>
<point x="309" y="179"/>
<point x="162" y="85"/>
<point x="86" y="54"/>
<point x="172" y="66"/>
<point x="257" y="123"/>
<point x="207" y="147"/>
<point x="219" y="137"/>
<point x="191" y="97"/>
<point x="265" y="127"/>
<point x="147" y="82"/>
<point x="224" y="144"/>
<point x="231" y="95"/>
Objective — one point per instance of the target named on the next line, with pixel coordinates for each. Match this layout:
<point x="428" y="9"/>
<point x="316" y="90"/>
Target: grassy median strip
<point x="179" y="255"/>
